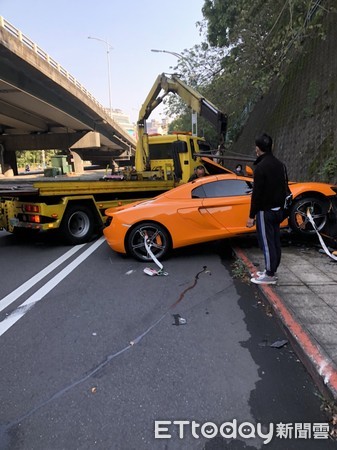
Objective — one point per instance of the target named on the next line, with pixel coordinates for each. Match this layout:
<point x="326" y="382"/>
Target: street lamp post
<point x="194" y="116"/>
<point x="108" y="48"/>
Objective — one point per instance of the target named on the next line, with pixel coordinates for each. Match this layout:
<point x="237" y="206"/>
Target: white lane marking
<point x="10" y="298"/>
<point x="39" y="294"/>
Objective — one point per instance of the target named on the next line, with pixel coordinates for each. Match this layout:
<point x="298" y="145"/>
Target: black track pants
<point x="268" y="230"/>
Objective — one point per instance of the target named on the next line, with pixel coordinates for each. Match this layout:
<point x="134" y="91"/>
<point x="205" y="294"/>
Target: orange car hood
<point x="214" y="168"/>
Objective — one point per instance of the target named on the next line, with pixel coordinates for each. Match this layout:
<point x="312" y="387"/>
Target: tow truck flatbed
<point x="14" y="189"/>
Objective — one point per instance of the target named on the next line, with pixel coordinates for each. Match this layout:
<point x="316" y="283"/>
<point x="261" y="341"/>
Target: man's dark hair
<point x="264" y="142"/>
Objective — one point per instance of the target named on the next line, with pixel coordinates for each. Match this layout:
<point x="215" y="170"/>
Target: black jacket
<point x="269" y="190"/>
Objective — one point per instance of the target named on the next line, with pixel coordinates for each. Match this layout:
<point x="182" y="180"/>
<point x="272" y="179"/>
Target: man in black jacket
<point x="268" y="196"/>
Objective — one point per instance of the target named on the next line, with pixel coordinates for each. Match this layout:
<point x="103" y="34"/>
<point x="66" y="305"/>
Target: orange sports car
<point x="209" y="208"/>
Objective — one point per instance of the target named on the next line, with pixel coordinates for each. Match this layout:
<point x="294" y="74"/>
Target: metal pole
<point x="109" y="78"/>
<point x="194" y="115"/>
<point x="108" y="47"/>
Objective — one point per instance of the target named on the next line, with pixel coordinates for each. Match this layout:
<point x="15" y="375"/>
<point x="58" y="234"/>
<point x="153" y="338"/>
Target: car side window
<point x="223" y="188"/>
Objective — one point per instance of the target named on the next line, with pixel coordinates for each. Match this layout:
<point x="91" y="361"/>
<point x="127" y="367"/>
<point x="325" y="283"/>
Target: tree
<point x="197" y="67"/>
<point x="259" y="34"/>
<point x="34" y="157"/>
<point x="248" y="43"/>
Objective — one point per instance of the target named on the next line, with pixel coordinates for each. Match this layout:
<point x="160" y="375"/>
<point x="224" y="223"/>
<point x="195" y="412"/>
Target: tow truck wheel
<point x="157" y="238"/>
<point x="77" y="225"/>
<point x="298" y="219"/>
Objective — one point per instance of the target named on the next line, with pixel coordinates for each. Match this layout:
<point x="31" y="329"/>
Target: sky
<point x="132" y="28"/>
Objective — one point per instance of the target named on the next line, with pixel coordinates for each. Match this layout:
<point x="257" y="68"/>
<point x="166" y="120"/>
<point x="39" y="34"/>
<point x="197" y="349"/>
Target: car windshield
<point x="223" y="188"/>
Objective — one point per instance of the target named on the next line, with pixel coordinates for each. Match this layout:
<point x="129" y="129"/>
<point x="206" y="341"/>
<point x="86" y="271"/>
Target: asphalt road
<point x="92" y="354"/>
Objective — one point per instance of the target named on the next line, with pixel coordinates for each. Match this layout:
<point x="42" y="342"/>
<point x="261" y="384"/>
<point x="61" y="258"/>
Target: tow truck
<point x="76" y="207"/>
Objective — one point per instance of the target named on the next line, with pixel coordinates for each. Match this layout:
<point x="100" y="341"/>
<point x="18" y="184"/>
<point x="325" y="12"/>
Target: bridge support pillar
<point x="2" y="162"/>
<point x="8" y="162"/>
<point x="76" y="162"/>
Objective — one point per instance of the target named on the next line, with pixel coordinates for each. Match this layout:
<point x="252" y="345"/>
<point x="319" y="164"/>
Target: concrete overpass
<point x="43" y="107"/>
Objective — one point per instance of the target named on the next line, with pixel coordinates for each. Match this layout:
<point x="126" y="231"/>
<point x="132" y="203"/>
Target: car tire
<point x="77" y="225"/>
<point x="158" y="240"/>
<point x="298" y="219"/>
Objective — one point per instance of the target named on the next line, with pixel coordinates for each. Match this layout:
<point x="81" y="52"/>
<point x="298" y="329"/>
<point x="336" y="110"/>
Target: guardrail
<point x="44" y="55"/>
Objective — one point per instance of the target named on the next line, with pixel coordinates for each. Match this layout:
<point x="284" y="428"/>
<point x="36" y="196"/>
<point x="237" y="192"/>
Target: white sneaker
<point x="264" y="279"/>
<point x="259" y="274"/>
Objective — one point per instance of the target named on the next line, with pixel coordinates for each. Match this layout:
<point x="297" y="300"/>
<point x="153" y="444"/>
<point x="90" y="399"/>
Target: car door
<point x="228" y="201"/>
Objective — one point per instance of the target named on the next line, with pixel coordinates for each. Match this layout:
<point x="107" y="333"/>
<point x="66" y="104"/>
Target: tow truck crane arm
<point x="190" y="96"/>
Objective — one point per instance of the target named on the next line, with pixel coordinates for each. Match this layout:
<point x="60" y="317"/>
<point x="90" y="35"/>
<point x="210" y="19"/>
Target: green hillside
<point x="300" y="112"/>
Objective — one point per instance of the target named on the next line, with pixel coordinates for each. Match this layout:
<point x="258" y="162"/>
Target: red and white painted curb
<point x="324" y="367"/>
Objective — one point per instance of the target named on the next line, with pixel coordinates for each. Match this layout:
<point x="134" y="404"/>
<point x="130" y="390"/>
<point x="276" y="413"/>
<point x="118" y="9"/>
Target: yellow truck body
<point x="76" y="207"/>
